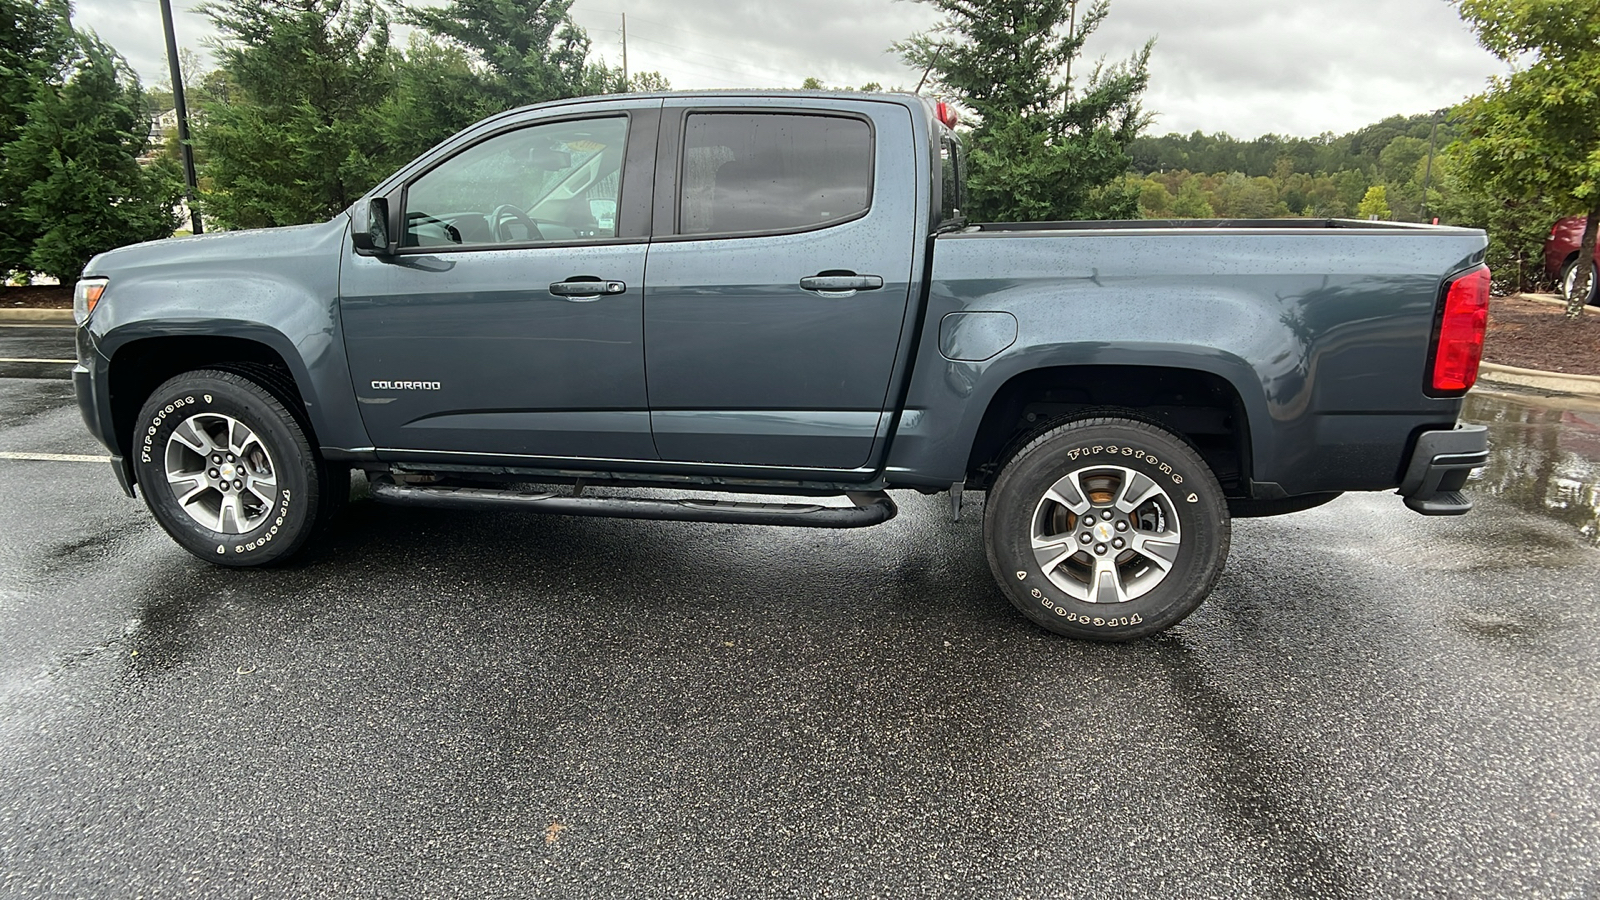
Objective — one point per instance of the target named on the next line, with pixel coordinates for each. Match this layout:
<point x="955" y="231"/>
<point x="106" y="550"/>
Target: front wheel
<point x="227" y="469"/>
<point x="1107" y="529"/>
<point x="1569" y="283"/>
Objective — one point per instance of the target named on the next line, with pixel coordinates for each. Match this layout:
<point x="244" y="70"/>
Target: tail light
<point x="947" y="114"/>
<point x="1461" y="332"/>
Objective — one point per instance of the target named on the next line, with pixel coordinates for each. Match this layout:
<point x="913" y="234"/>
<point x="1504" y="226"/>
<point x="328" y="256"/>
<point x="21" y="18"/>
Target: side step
<point x="868" y="509"/>
<point x="1447" y="503"/>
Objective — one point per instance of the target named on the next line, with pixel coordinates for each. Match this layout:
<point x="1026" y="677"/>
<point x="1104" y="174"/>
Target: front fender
<point x="275" y="287"/>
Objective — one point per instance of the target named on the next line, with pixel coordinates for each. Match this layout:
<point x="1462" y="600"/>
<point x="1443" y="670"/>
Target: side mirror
<point x="372" y="236"/>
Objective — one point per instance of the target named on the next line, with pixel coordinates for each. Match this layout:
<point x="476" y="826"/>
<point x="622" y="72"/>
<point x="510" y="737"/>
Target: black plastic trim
<point x="1439" y="469"/>
<point x="868" y="509"/>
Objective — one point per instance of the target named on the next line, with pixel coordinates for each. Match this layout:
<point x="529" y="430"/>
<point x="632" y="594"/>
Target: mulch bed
<point x="36" y="297"/>
<point x="1533" y="335"/>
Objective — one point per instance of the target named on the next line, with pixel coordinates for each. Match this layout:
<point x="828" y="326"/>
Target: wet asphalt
<point x="452" y="705"/>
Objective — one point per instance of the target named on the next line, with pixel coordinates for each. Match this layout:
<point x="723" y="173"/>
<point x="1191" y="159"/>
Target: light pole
<point x="1427" y="175"/>
<point x="185" y="150"/>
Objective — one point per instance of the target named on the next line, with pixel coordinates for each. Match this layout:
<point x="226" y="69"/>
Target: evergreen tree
<point x="301" y="135"/>
<point x="36" y="42"/>
<point x="533" y="50"/>
<point x="1043" y="146"/>
<point x="72" y="177"/>
<point x="436" y="93"/>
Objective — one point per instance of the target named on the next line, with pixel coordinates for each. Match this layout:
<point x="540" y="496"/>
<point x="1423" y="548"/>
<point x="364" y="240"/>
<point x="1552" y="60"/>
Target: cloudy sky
<point x="1246" y="67"/>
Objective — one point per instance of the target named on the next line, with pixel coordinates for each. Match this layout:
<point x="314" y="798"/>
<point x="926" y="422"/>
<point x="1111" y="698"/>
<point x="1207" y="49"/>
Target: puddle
<point x="1545" y="458"/>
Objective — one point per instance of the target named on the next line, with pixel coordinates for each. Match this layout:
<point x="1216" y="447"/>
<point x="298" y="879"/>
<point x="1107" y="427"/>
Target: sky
<point x="1245" y="67"/>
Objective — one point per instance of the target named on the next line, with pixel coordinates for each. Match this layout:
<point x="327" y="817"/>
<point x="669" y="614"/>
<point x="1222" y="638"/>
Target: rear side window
<point x="953" y="166"/>
<point x="765" y="172"/>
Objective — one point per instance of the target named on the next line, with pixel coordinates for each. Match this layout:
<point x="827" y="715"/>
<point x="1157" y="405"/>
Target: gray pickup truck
<point x="776" y="295"/>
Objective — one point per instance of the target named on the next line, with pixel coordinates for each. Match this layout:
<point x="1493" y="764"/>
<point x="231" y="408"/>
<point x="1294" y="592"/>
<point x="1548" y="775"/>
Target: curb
<point x="1549" y="300"/>
<point x="23" y="315"/>
<point x="1551" y="382"/>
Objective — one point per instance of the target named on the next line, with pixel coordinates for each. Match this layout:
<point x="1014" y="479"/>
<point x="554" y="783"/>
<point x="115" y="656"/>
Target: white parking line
<point x="58" y="362"/>
<point x="36" y="325"/>
<point x="53" y="457"/>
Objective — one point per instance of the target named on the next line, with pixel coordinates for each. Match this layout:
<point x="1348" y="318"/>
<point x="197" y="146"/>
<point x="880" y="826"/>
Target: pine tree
<point x="302" y="134"/>
<point x="1044" y="146"/>
<point x="35" y="44"/>
<point x="74" y="166"/>
<point x="532" y="48"/>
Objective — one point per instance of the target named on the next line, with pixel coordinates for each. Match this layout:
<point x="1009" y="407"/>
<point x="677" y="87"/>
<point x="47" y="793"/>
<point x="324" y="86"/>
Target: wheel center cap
<point x="228" y="471"/>
<point x="1104" y="532"/>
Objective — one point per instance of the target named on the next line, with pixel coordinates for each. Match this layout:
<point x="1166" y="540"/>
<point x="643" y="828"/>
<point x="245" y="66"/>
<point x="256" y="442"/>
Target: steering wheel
<point x="505" y="214"/>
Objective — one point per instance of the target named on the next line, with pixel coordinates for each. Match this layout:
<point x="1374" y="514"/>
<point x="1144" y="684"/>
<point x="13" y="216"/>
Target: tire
<point x="1174" y="534"/>
<point x="256" y="494"/>
<point x="1569" y="274"/>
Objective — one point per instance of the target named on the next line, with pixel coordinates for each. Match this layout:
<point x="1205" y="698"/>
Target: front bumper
<point x="1439" y="469"/>
<point x="95" y="408"/>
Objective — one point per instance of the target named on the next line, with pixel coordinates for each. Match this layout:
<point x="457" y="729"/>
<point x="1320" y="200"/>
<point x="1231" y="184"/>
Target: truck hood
<point x="220" y="247"/>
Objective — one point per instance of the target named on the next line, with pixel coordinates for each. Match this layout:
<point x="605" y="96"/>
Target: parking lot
<point x="444" y="704"/>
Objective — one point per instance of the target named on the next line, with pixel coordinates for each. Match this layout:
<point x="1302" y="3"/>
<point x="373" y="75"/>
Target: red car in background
<point x="1561" y="255"/>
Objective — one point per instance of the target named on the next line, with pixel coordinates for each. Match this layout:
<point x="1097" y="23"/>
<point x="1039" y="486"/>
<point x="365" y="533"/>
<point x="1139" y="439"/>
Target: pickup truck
<point x="776" y="295"/>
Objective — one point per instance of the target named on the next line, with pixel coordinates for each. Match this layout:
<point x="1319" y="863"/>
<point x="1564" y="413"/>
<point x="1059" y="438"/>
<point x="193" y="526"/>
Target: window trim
<point x="674" y="154"/>
<point x="637" y="121"/>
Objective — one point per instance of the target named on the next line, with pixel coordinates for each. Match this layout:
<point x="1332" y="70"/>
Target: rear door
<point x="778" y="280"/>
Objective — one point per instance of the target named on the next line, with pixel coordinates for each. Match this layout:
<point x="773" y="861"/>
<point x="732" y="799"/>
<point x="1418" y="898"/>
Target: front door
<point x="778" y="293"/>
<point x="510" y="322"/>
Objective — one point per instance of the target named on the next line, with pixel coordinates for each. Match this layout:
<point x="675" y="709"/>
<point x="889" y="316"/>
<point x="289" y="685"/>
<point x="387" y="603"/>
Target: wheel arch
<point x="1199" y="404"/>
<point x="139" y="365"/>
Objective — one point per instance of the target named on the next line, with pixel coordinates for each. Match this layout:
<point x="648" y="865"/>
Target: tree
<point x="532" y="48"/>
<point x="1517" y="228"/>
<point x="71" y="177"/>
<point x="1043" y="145"/>
<point x="1535" y="135"/>
<point x="436" y="92"/>
<point x="301" y="136"/>
<point x="36" y="41"/>
<point x="1191" y="202"/>
<point x="1375" y="205"/>
<point x="648" y="83"/>
<point x="1155" y="201"/>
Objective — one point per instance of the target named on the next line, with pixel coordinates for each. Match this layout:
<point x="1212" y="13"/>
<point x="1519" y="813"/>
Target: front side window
<point x="765" y="172"/>
<point x="555" y="182"/>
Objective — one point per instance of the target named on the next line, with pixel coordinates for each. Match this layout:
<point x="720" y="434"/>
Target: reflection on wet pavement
<point x="1545" y="457"/>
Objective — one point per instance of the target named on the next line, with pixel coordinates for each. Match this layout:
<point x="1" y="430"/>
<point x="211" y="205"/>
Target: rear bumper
<point x="1439" y="469"/>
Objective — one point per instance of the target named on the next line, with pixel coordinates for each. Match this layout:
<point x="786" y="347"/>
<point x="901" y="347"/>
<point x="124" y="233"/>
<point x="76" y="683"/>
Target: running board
<point x="869" y="508"/>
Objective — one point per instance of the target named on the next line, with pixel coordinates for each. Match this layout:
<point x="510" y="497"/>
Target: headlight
<point x="86" y="296"/>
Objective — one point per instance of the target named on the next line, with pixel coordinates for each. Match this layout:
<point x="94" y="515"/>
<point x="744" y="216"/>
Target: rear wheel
<point x="1107" y="529"/>
<point x="228" y="471"/>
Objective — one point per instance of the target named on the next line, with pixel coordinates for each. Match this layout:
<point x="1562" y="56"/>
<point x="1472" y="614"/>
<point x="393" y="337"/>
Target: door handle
<point x="585" y="290"/>
<point x="841" y="284"/>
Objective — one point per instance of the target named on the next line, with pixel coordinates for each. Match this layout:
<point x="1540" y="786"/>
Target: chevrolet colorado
<point x="776" y="294"/>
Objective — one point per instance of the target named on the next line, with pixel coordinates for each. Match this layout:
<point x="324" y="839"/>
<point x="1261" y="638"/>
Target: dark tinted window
<point x="773" y="172"/>
<point x="953" y="165"/>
